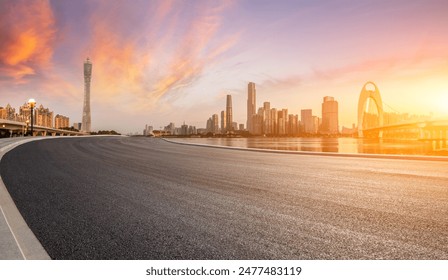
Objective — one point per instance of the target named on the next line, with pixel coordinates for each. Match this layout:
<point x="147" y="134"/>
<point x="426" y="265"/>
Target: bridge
<point x="428" y="130"/>
<point x="14" y="128"/>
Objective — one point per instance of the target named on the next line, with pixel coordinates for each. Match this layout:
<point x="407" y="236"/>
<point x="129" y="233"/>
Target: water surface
<point x="333" y="145"/>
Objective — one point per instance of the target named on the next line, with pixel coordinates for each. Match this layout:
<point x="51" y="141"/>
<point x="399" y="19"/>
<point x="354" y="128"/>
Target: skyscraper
<point x="285" y="121"/>
<point x="86" y="118"/>
<point x="281" y="122"/>
<point x="223" y="122"/>
<point x="274" y="119"/>
<point x="330" y="123"/>
<point x="209" y="126"/>
<point x="307" y="120"/>
<point x="267" y="118"/>
<point x="215" y="123"/>
<point x="251" y="105"/>
<point x="229" y="120"/>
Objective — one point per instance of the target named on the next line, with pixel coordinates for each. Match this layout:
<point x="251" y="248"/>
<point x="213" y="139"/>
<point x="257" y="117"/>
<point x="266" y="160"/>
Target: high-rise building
<point x="274" y="119"/>
<point x="8" y="113"/>
<point x="281" y="122"/>
<point x="148" y="130"/>
<point x="251" y="105"/>
<point x="77" y="125"/>
<point x="229" y="115"/>
<point x="307" y="121"/>
<point x="170" y="129"/>
<point x="43" y="117"/>
<point x="267" y="125"/>
<point x="192" y="130"/>
<point x="223" y="122"/>
<point x="208" y="126"/>
<point x="234" y="126"/>
<point x="184" y="129"/>
<point x="257" y="123"/>
<point x="215" y="123"/>
<point x="282" y="119"/>
<point x="316" y="124"/>
<point x="86" y="118"/>
<point x="293" y="124"/>
<point x="61" y="121"/>
<point x="25" y="113"/>
<point x="3" y="113"/>
<point x="285" y="120"/>
<point x="330" y="123"/>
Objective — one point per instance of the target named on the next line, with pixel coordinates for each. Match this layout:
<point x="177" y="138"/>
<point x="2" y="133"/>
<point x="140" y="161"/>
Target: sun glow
<point x="441" y="103"/>
<point x="436" y="96"/>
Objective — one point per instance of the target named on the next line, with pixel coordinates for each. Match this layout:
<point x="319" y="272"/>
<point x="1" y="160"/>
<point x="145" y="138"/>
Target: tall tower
<point x="86" y="118"/>
<point x="251" y="105"/>
<point x="229" y="119"/>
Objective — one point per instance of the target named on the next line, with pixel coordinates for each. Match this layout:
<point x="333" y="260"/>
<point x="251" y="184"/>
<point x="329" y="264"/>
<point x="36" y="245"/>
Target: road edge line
<point x="28" y="244"/>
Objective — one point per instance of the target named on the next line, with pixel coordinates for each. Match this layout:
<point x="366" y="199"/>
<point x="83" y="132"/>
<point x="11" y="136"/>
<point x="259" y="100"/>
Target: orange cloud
<point x="169" y="52"/>
<point x="27" y="31"/>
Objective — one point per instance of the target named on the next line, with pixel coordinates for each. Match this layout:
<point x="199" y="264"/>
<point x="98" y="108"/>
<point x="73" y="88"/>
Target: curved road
<point x="140" y="198"/>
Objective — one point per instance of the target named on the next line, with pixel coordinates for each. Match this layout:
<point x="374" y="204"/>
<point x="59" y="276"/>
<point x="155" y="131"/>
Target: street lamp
<point x="26" y="128"/>
<point x="32" y="103"/>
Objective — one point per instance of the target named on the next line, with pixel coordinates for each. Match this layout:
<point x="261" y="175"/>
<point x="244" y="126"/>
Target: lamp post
<point x="26" y="128"/>
<point x="32" y="103"/>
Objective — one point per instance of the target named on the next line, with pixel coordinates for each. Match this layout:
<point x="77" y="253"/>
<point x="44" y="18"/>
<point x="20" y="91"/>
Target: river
<point x="333" y="145"/>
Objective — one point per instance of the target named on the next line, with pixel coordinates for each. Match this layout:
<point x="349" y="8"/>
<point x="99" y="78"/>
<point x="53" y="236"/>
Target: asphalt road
<point x="140" y="198"/>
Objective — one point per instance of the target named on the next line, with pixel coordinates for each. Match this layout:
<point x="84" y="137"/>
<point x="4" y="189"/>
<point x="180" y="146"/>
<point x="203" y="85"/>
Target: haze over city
<point x="172" y="61"/>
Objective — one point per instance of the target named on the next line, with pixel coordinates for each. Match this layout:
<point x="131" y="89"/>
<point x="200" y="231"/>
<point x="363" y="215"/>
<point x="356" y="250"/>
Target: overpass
<point x="14" y="128"/>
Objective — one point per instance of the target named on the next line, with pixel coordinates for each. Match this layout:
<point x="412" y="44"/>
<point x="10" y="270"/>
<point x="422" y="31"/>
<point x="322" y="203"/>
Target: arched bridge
<point x="431" y="130"/>
<point x="376" y="97"/>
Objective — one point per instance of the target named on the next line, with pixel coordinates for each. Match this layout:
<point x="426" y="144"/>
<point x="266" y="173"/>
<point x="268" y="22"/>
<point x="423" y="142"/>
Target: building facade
<point x="148" y="130"/>
<point x="330" y="122"/>
<point x="223" y="122"/>
<point x="229" y="114"/>
<point x="61" y="121"/>
<point x="215" y="123"/>
<point x="25" y="113"/>
<point x="267" y="123"/>
<point x="251" y="105"/>
<point x="8" y="113"/>
<point x="77" y="126"/>
<point x="43" y="116"/>
<point x="307" y="121"/>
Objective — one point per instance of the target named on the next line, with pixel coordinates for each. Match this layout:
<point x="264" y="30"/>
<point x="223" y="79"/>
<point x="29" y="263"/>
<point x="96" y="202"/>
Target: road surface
<point x="141" y="198"/>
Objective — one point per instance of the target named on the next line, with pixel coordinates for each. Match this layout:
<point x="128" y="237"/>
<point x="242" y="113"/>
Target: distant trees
<point x="105" y="132"/>
<point x="72" y="128"/>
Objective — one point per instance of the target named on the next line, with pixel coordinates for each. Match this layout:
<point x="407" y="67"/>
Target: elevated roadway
<point x="20" y="128"/>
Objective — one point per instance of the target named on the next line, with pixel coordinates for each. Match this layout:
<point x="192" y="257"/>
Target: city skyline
<point x="178" y="62"/>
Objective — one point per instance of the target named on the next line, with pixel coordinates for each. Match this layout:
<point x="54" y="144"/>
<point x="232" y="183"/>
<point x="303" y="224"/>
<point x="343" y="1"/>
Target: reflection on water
<point x="334" y="145"/>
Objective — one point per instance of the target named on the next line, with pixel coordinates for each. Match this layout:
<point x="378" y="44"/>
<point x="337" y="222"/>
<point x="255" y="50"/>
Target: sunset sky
<point x="156" y="62"/>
